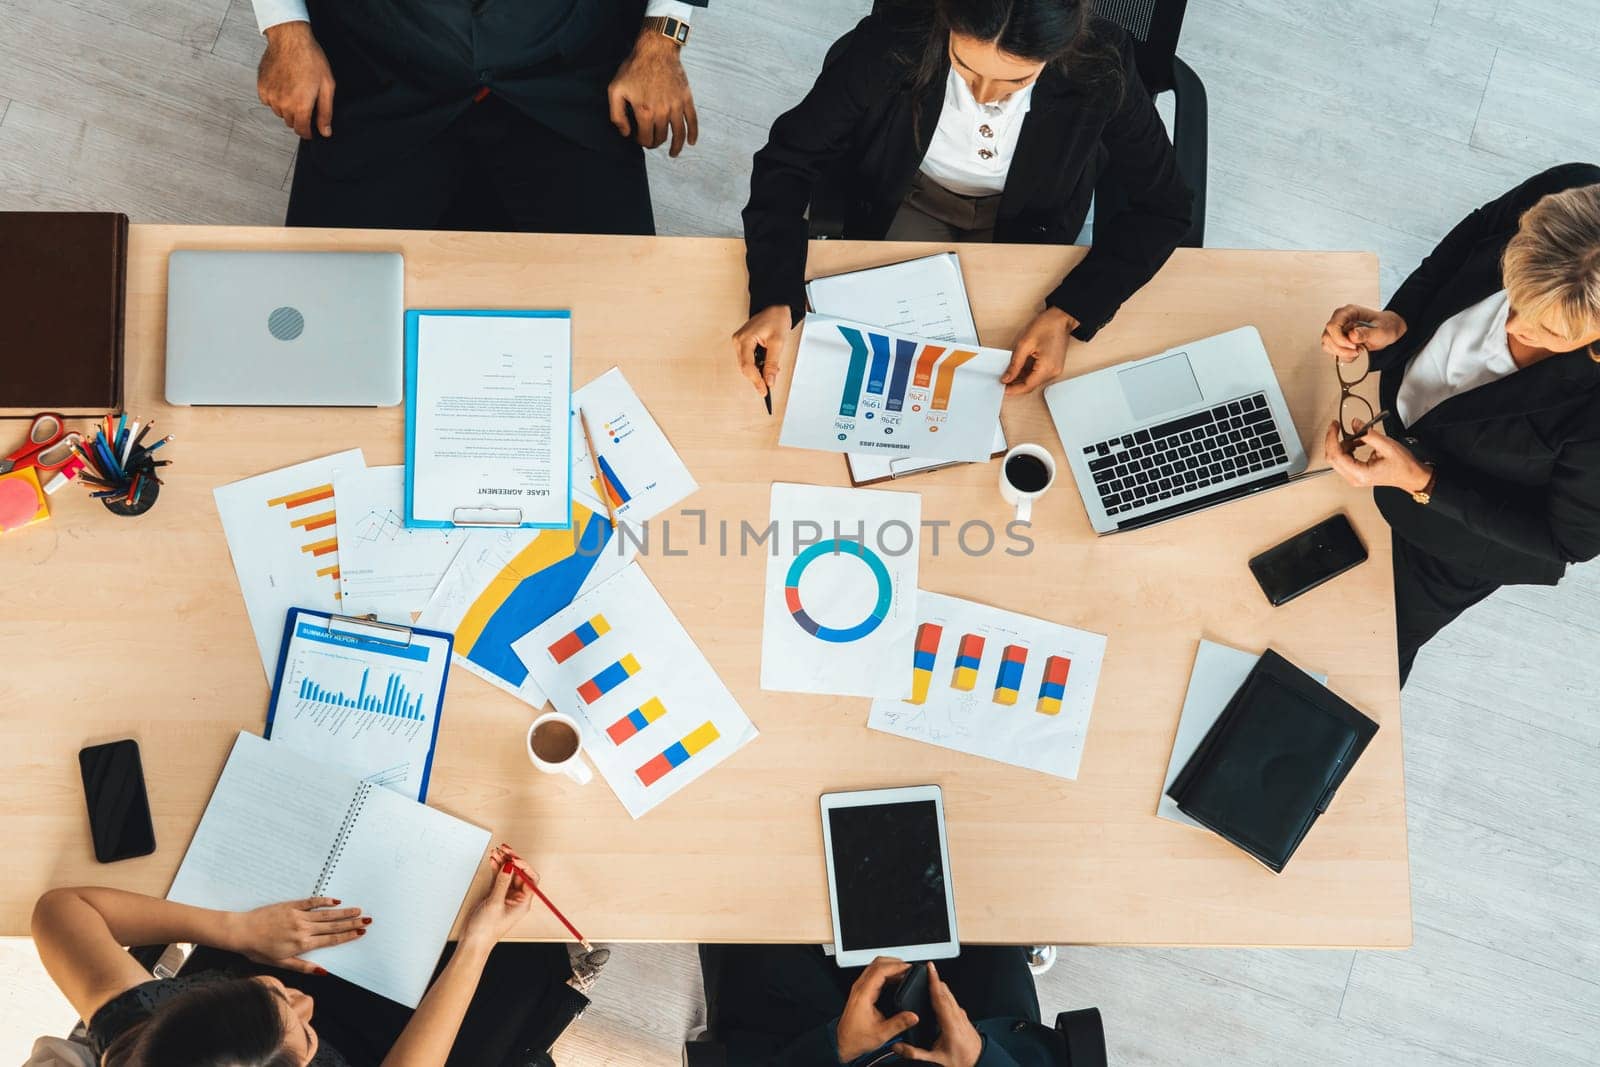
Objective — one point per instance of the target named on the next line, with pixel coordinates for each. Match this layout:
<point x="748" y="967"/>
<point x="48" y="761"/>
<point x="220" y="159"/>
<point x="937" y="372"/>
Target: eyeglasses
<point x="1355" y="411"/>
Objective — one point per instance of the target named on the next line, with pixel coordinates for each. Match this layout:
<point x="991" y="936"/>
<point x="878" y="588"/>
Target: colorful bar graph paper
<point x="857" y="371"/>
<point x="321" y="548"/>
<point x="314" y="522"/>
<point x="878" y="376"/>
<point x="927" y="650"/>
<point x="1009" y="681"/>
<point x="636" y="720"/>
<point x="678" y="754"/>
<point x="904" y="352"/>
<point x="1054" y="684"/>
<point x="614" y="487"/>
<point x="303" y="496"/>
<point x="968" y="656"/>
<point x="945" y="381"/>
<point x="396" y="700"/>
<point x="586" y="634"/>
<point x="930" y="356"/>
<point x="608" y="679"/>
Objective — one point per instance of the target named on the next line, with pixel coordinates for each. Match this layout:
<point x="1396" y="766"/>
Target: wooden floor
<point x="1371" y="124"/>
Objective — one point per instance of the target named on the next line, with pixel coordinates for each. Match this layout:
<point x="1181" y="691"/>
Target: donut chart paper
<point x="871" y="391"/>
<point x="841" y="591"/>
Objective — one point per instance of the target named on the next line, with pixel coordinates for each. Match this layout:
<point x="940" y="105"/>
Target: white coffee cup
<point x="573" y="764"/>
<point x="1022" y="499"/>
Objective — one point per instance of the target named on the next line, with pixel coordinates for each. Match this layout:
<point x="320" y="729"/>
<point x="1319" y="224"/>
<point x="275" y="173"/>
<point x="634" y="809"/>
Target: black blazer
<point x="406" y="69"/>
<point x="863" y="107"/>
<point x="1517" y="459"/>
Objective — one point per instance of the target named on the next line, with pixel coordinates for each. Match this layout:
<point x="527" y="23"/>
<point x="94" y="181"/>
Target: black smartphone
<point x="1308" y="559"/>
<point x="119" y="809"/>
<point x="910" y="993"/>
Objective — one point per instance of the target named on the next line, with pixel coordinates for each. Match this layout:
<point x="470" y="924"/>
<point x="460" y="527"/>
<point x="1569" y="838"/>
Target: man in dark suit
<point x="477" y="114"/>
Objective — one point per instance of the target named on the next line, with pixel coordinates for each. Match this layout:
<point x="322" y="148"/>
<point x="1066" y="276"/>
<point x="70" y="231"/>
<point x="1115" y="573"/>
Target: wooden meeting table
<point x="135" y="627"/>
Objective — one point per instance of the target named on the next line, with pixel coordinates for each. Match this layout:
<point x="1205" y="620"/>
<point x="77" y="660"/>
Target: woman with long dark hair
<point x="971" y="120"/>
<point x="258" y="1003"/>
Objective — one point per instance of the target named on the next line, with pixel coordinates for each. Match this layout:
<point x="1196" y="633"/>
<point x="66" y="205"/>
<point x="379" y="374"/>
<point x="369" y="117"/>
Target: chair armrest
<point x="1084" y="1036"/>
<point x="1189" y="135"/>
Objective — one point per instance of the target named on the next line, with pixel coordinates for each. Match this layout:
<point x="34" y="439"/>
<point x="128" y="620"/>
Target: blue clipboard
<point x="354" y="634"/>
<point x="413" y="317"/>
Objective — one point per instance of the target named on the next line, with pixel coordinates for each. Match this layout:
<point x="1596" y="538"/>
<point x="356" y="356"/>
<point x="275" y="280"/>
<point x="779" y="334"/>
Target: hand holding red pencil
<point x="505" y="904"/>
<point x="510" y="865"/>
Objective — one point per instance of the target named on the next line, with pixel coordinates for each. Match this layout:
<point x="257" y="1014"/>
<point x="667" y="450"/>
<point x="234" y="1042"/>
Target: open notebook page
<point x="409" y="866"/>
<point x="266" y="832"/>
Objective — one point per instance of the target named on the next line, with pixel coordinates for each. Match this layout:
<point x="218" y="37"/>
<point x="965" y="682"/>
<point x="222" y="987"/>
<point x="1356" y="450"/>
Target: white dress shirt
<point x="271" y="12"/>
<point x="1468" y="349"/>
<point x="971" y="149"/>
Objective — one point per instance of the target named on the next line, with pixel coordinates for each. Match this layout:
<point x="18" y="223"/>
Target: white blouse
<point x="971" y="149"/>
<point x="1468" y="349"/>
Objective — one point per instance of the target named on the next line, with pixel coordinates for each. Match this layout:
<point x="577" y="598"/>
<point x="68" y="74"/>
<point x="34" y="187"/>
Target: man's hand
<point x="862" y="1027"/>
<point x="769" y="328"/>
<point x="651" y="80"/>
<point x="295" y="81"/>
<point x="959" y="1043"/>
<point x="277" y="933"/>
<point x="1040" y="353"/>
<point x="1391" y="463"/>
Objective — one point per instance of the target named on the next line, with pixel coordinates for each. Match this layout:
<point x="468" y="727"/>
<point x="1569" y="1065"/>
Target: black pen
<point x="761" y="368"/>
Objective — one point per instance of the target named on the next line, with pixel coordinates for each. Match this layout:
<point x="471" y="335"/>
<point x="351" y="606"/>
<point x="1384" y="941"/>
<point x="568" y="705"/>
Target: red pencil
<point x="510" y="867"/>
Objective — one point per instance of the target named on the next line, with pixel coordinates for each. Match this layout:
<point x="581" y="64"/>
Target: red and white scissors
<point x="49" y="446"/>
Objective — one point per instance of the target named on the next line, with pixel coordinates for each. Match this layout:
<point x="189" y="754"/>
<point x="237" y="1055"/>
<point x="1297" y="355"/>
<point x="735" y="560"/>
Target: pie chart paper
<point x="841" y="591"/>
<point x="870" y="391"/>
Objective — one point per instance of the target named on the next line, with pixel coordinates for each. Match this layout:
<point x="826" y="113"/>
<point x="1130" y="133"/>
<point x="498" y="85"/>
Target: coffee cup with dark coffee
<point x="1025" y="473"/>
<point x="555" y="744"/>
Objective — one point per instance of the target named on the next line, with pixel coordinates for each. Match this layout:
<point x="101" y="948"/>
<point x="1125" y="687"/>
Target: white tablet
<point x="889" y="875"/>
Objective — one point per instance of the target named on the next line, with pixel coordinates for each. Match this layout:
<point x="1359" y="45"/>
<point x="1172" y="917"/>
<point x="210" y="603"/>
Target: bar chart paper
<point x="996" y="684"/>
<point x="868" y="390"/>
<point x="655" y="715"/>
<point x="369" y="707"/>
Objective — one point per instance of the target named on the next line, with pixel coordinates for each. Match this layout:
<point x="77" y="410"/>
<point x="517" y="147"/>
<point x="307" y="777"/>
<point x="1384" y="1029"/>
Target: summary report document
<point x="488" y="441"/>
<point x="281" y="826"/>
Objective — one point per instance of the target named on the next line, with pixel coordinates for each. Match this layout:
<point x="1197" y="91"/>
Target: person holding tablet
<point x="792" y="1005"/>
<point x="972" y="120"/>
<point x="1489" y="360"/>
<point x="259" y="1004"/>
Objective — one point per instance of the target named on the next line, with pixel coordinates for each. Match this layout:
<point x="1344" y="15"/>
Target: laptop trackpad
<point x="1160" y="386"/>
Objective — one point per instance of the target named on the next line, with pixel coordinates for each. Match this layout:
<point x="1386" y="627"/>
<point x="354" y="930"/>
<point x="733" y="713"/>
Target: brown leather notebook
<point x="63" y="281"/>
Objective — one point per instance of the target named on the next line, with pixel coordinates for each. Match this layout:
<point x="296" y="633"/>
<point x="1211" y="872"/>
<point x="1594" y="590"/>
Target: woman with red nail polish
<point x="248" y="996"/>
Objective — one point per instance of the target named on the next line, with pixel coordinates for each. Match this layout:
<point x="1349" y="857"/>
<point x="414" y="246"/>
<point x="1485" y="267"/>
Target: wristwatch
<point x="1425" y="494"/>
<point x="675" y="30"/>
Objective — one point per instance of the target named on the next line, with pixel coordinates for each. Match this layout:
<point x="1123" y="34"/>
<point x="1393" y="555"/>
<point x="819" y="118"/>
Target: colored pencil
<point x="510" y="867"/>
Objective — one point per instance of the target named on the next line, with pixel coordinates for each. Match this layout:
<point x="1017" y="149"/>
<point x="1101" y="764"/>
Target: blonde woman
<point x="1489" y="364"/>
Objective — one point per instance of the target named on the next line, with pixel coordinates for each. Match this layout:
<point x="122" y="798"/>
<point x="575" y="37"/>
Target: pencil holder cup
<point x="146" y="500"/>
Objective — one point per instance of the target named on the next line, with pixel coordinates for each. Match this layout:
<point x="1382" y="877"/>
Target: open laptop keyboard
<point x="1212" y="447"/>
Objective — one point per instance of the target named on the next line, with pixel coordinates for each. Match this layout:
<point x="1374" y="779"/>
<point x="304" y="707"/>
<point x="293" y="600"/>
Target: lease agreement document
<point x="488" y="441"/>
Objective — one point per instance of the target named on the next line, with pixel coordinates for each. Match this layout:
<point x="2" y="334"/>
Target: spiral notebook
<point x="281" y="827"/>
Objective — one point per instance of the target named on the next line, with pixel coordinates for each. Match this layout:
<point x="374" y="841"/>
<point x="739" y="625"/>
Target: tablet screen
<point x="889" y="875"/>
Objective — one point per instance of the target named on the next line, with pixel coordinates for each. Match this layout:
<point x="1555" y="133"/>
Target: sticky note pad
<point x="22" y="500"/>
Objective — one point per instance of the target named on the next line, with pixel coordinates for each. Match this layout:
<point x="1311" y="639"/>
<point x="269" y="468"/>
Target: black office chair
<point x="1082" y="1034"/>
<point x="1154" y="26"/>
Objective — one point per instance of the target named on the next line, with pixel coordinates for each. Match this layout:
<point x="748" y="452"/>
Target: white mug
<point x="573" y="766"/>
<point x="1022" y="501"/>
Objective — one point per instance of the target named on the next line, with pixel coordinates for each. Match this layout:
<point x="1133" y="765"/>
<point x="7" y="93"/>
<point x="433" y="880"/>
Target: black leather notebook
<point x="1272" y="761"/>
<point x="62" y="288"/>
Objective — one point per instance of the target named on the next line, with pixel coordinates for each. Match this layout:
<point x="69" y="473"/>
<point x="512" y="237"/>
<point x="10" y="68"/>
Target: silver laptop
<point x="285" y="328"/>
<point x="1175" y="433"/>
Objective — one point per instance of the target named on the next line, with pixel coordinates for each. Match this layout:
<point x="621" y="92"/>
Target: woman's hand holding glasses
<point x="1353" y="331"/>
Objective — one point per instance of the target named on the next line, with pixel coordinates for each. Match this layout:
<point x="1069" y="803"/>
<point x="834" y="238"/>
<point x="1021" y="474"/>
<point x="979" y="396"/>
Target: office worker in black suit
<point x="972" y="120"/>
<point x="530" y="115"/>
<point x="1489" y="357"/>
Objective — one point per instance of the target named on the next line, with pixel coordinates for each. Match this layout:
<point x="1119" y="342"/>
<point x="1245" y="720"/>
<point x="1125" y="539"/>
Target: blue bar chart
<point x="397" y="700"/>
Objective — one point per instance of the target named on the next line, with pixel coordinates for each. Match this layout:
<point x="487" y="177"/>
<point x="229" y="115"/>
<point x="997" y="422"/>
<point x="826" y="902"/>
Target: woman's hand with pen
<point x="1354" y="329"/>
<point x="278" y="933"/>
<point x="505" y="904"/>
<point x="768" y="328"/>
